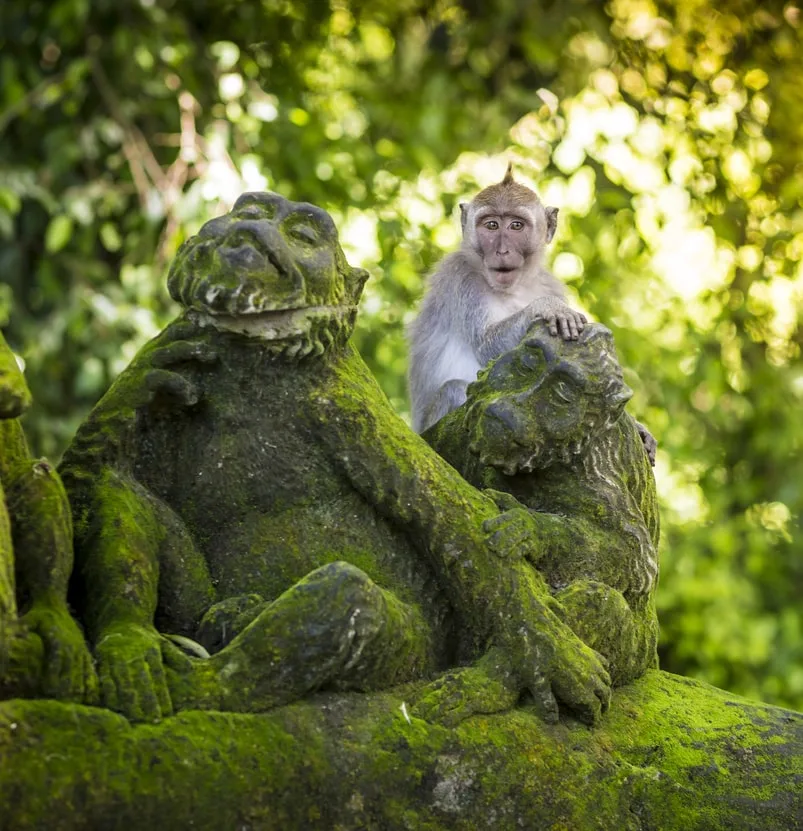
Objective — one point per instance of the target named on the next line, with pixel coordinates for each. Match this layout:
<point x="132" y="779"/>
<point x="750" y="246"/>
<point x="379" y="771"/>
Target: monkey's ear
<point x="463" y="216"/>
<point x="508" y="180"/>
<point x="551" y="223"/>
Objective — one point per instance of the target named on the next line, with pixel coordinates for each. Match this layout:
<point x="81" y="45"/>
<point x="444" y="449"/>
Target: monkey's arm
<point x="503" y="336"/>
<point x="507" y="606"/>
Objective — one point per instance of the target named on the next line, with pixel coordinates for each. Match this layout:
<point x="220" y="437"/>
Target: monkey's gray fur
<point x="459" y="330"/>
<point x="482" y="299"/>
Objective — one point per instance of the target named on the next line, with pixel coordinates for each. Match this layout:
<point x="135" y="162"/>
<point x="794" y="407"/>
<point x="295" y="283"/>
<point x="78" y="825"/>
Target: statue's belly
<point x="266" y="506"/>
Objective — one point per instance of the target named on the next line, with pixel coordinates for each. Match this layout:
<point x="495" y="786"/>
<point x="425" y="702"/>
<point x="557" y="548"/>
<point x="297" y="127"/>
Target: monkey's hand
<point x="650" y="443"/>
<point x="514" y="533"/>
<point x="487" y="687"/>
<point x="132" y="678"/>
<point x="559" y="317"/>
<point x="68" y="673"/>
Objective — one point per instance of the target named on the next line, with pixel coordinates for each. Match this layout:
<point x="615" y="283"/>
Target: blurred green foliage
<point x="669" y="134"/>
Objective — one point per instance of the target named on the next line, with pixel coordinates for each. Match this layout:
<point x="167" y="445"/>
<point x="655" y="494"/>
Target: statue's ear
<point x="617" y="398"/>
<point x="551" y="223"/>
<point x="355" y="280"/>
<point x="463" y="216"/>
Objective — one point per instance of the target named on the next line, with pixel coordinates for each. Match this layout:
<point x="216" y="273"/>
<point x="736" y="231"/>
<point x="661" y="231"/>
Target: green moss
<point x="670" y="754"/>
<point x="568" y="468"/>
<point x="42" y="653"/>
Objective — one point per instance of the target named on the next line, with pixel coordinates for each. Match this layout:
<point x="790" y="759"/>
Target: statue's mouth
<point x="275" y="325"/>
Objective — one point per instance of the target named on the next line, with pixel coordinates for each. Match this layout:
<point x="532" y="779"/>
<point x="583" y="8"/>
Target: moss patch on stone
<point x="671" y="754"/>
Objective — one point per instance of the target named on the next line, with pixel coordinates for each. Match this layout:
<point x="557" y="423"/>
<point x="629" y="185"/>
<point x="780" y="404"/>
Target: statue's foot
<point x="335" y="627"/>
<point x="484" y="688"/>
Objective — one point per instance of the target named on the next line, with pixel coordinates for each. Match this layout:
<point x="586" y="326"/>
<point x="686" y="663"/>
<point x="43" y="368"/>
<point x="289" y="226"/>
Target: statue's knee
<point x="344" y="584"/>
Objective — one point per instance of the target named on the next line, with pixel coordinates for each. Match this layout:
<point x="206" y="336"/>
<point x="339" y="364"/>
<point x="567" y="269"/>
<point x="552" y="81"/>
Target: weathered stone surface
<point x="42" y="651"/>
<point x="544" y="430"/>
<point x="245" y="490"/>
<point x="671" y="754"/>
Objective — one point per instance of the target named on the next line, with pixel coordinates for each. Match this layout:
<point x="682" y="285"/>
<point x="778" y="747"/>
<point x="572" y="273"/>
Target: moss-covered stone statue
<point x="42" y="651"/>
<point x="245" y="491"/>
<point x="245" y="484"/>
<point x="546" y="432"/>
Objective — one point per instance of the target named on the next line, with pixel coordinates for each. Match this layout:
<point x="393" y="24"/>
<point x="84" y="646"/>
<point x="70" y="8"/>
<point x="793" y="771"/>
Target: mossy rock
<point x="671" y="753"/>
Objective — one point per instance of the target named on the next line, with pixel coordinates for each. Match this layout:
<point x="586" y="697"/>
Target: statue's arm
<point x="41" y="530"/>
<point x="118" y="543"/>
<point x="506" y="604"/>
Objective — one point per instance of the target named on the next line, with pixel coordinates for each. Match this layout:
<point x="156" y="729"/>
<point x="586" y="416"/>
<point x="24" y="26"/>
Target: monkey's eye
<point x="491" y="225"/>
<point x="516" y="225"/>
<point x="304" y="233"/>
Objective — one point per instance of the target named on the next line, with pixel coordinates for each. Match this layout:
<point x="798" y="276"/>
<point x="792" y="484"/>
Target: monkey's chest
<point x="502" y="306"/>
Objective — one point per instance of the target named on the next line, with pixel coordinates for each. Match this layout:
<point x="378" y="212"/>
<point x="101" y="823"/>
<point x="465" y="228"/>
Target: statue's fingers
<point x="506" y="542"/>
<point x="127" y="679"/>
<point x="493" y="524"/>
<point x="153" y="659"/>
<point x="553" y="325"/>
<point x="91" y="691"/>
<point x="571" y="323"/>
<point x="108" y="691"/>
<point x="172" y="385"/>
<point x="175" y="658"/>
<point x="546" y="706"/>
<point x="504" y="501"/>
<point x="604" y="693"/>
<point x="586" y="706"/>
<point x="183" y="351"/>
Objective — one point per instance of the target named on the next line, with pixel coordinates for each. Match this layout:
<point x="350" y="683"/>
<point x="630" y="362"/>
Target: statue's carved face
<point x="263" y="267"/>
<point x="542" y="402"/>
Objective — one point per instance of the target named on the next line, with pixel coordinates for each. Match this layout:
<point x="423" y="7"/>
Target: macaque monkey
<point x="483" y="297"/>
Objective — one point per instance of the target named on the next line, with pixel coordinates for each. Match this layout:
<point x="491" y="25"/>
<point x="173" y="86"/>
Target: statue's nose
<point x="266" y="259"/>
<point x="268" y="236"/>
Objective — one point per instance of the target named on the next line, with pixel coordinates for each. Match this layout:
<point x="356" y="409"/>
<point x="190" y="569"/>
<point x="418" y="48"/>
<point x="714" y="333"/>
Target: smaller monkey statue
<point x="483" y="297"/>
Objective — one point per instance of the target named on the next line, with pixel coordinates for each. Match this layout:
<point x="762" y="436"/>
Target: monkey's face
<point x="510" y="237"/>
<point x="543" y="402"/>
<point x="506" y="244"/>
<point x="265" y="267"/>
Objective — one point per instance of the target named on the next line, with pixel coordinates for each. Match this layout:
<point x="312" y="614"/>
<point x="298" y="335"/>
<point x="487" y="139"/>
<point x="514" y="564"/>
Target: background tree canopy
<point x="669" y="135"/>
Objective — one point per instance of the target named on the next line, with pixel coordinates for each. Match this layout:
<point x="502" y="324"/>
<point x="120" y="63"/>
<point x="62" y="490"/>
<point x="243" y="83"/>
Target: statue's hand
<point x="167" y="381"/>
<point x="132" y="678"/>
<point x="549" y="660"/>
<point x="513" y="533"/>
<point x="68" y="673"/>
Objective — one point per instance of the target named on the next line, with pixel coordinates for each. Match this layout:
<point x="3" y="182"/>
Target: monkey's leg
<point x="601" y="617"/>
<point x="449" y="397"/>
<point x="335" y="627"/>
